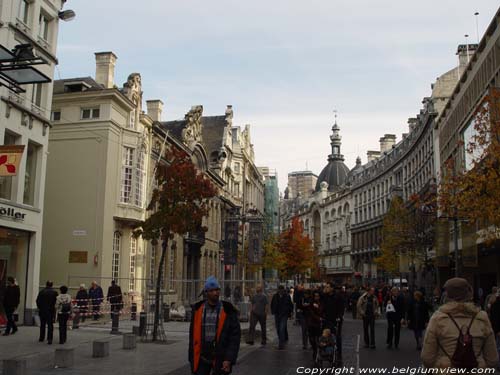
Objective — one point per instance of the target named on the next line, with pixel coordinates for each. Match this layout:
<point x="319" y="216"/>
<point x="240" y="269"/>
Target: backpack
<point x="464" y="356"/>
<point x="65" y="307"/>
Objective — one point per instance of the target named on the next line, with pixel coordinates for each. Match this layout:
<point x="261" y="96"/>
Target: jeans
<point x="369" y="322"/>
<point x="11" y="323"/>
<point x="254" y="319"/>
<point x="393" y="329"/>
<point x="303" y="325"/>
<point x="63" y="327"/>
<point x="46" y="320"/>
<point x="281" y="325"/>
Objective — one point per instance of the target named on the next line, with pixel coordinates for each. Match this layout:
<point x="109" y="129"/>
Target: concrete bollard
<point x="100" y="348"/>
<point x="64" y="357"/>
<point x="129" y="341"/>
<point x="15" y="366"/>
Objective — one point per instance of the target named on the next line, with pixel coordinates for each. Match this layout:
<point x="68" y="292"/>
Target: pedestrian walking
<point x="313" y="309"/>
<point x="490" y="298"/>
<point x="459" y="335"/>
<point x="46" y="303"/>
<point x="368" y="310"/>
<point x="282" y="309"/>
<point x="333" y="312"/>
<point x="63" y="308"/>
<point x="353" y="302"/>
<point x="258" y="314"/>
<point x="82" y="302"/>
<point x="395" y="313"/>
<point x="96" y="297"/>
<point x="418" y="317"/>
<point x="495" y="319"/>
<point x="115" y="297"/>
<point x="11" y="301"/>
<point x="298" y="300"/>
<point x="214" y="333"/>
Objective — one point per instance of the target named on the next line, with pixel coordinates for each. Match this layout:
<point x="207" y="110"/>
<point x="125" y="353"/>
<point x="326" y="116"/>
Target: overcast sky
<point x="284" y="65"/>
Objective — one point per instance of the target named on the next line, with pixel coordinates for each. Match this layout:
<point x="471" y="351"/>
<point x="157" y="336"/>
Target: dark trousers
<point x="369" y="322"/>
<point x="303" y="326"/>
<point x="11" y="323"/>
<point x="314" y="333"/>
<point x="96" y="306"/>
<point x="46" y="321"/>
<point x="393" y="330"/>
<point x="206" y="369"/>
<point x="354" y="311"/>
<point x="418" y="336"/>
<point x="254" y="319"/>
<point x="63" y="327"/>
<point x="281" y="325"/>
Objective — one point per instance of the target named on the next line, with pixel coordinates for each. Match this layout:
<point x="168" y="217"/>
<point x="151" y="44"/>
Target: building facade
<point x="301" y="183"/>
<point x="25" y="120"/>
<point x="97" y="182"/>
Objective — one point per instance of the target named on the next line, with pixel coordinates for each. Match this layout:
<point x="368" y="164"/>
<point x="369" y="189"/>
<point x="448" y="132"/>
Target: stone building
<point x="97" y="182"/>
<point x="301" y="183"/>
<point x="25" y="120"/>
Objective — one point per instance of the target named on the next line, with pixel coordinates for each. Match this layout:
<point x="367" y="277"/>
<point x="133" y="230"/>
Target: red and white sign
<point x="10" y="157"/>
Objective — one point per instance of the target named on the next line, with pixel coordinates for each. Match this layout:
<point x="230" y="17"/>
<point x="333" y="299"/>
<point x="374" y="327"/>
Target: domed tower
<point x="335" y="173"/>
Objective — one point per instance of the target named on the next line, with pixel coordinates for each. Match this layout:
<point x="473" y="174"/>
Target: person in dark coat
<point x="96" y="296"/>
<point x="395" y="313"/>
<point x="214" y="333"/>
<point x="495" y="318"/>
<point x="11" y="300"/>
<point x="313" y="311"/>
<point x="418" y="317"/>
<point x="282" y="309"/>
<point x="115" y="297"/>
<point x="46" y="303"/>
<point x="298" y="300"/>
<point x="333" y="311"/>
<point x="353" y="301"/>
<point x="82" y="302"/>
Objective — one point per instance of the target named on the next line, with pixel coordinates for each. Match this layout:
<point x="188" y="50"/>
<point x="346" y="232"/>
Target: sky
<point x="284" y="65"/>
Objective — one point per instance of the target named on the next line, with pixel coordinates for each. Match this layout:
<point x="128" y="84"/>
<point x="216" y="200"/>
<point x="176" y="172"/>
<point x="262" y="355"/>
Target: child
<point x="326" y="342"/>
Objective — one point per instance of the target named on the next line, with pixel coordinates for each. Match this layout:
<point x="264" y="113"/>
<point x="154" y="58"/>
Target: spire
<point x="336" y="141"/>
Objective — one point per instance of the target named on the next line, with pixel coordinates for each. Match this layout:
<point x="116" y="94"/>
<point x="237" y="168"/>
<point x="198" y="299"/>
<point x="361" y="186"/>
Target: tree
<point x="297" y="250"/>
<point x="273" y="258"/>
<point x="471" y="189"/>
<point x="395" y="236"/>
<point x="178" y="206"/>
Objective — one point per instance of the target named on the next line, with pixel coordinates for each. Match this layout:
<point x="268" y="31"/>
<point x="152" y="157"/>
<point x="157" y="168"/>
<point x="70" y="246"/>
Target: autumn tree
<point x="178" y="205"/>
<point x="395" y="233"/>
<point x="471" y="189"/>
<point x="272" y="257"/>
<point x="297" y="250"/>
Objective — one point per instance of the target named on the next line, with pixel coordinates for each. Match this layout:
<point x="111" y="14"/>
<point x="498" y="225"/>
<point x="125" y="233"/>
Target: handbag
<point x="390" y="308"/>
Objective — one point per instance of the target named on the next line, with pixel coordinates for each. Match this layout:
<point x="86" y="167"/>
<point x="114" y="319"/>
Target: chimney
<point x="105" y="68"/>
<point x="462" y="52"/>
<point x="155" y="108"/>
<point x="386" y="143"/>
<point x="372" y="155"/>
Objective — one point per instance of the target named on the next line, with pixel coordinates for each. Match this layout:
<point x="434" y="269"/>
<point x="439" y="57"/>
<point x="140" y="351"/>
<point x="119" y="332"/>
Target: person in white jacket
<point x="64" y="308"/>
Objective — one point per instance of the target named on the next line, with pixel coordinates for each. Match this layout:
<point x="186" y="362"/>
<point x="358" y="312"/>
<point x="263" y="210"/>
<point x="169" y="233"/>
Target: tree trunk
<point x="156" y="324"/>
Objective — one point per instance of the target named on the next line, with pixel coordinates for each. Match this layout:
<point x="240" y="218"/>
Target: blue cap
<point x="211" y="283"/>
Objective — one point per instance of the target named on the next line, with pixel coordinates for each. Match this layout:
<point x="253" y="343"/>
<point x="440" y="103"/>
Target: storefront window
<point x="30" y="174"/>
<point x="14" y="249"/>
<point x="6" y="181"/>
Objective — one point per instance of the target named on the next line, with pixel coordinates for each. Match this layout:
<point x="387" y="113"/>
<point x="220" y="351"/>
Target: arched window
<point x="115" y="271"/>
<point x="133" y="255"/>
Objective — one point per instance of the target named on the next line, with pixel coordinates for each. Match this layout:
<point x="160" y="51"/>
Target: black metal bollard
<point x="115" y="322"/>
<point x="133" y="311"/>
<point x="76" y="318"/>
<point x="166" y="313"/>
<point x="142" y="323"/>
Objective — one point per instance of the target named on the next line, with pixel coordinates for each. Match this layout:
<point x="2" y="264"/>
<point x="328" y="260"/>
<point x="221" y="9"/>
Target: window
<point x="24" y="10"/>
<point x="171" y="267"/>
<point x="140" y="177"/>
<point x="30" y="174"/>
<point x="152" y="264"/>
<point x="6" y="181"/>
<point x="131" y="122"/>
<point x="90" y="113"/>
<point x="36" y="95"/>
<point x="43" y="27"/>
<point x="133" y="255"/>
<point x="115" y="272"/>
<point x="55" y="116"/>
<point x="127" y="167"/>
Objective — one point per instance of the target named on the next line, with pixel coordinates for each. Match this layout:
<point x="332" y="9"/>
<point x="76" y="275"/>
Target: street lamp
<point x="67" y="15"/>
<point x="16" y="68"/>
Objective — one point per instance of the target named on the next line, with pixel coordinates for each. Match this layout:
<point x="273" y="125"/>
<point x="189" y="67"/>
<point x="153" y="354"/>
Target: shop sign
<point x="11" y="213"/>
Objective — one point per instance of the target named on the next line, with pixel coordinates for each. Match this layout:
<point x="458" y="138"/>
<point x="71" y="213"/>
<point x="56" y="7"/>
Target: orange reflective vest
<point x="197" y="327"/>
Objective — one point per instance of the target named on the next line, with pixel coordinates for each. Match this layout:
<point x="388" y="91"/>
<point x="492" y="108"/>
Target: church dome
<point x="335" y="172"/>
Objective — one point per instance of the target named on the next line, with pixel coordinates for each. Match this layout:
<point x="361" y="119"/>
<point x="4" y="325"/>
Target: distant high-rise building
<point x="301" y="182"/>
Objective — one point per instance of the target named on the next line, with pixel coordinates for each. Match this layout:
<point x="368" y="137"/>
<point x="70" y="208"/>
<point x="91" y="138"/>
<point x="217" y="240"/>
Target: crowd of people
<point x="59" y="306"/>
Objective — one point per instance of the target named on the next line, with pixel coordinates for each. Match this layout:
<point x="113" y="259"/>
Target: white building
<point x="25" y="120"/>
